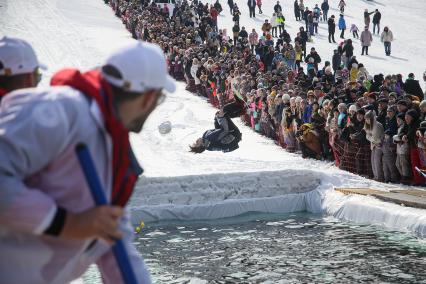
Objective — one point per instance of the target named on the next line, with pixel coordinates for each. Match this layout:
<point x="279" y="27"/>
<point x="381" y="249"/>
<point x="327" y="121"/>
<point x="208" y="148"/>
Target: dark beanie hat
<point x="361" y="111"/>
<point x="401" y="115"/>
<point x="412" y="113"/>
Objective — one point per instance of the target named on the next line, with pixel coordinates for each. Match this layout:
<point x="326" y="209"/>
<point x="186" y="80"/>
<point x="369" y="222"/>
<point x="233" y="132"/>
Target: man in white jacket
<point x="387" y="38"/>
<point x="50" y="229"/>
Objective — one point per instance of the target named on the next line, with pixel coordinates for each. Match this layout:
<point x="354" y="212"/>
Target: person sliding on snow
<point x="225" y="136"/>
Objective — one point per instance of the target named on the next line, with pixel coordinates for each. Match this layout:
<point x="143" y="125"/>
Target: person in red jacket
<point x="214" y="14"/>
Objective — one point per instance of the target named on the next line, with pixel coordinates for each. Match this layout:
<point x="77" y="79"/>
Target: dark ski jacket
<point x="377" y="17"/>
<point x="225" y="137"/>
<point x="412" y="87"/>
<point x="331" y="26"/>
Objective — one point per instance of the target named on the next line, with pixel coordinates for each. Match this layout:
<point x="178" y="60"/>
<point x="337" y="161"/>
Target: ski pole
<point x="98" y="195"/>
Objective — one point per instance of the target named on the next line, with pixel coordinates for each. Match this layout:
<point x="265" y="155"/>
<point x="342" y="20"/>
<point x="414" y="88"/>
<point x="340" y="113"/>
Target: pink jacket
<point x="259" y="2"/>
<point x="253" y="38"/>
<point x="39" y="172"/>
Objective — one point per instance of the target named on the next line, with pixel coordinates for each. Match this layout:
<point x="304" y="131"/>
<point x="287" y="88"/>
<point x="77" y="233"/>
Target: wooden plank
<point x="402" y="198"/>
<point x="410" y="197"/>
<point x="413" y="192"/>
<point x="360" y="191"/>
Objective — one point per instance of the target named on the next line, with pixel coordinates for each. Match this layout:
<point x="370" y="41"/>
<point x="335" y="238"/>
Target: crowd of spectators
<point x="371" y="125"/>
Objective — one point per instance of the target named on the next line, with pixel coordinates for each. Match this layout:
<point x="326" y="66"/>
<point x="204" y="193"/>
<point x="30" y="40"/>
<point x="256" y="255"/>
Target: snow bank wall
<point x="206" y="197"/>
<point x="216" y="196"/>
<point x="369" y="210"/>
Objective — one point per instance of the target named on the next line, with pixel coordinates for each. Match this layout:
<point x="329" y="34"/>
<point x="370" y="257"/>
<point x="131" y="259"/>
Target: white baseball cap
<point x="17" y="57"/>
<point x="142" y="66"/>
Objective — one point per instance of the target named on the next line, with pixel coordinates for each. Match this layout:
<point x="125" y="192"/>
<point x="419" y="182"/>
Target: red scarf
<point x="125" y="167"/>
<point x="2" y="92"/>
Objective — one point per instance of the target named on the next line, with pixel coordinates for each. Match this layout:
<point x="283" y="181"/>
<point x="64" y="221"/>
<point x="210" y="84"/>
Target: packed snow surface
<point x="259" y="176"/>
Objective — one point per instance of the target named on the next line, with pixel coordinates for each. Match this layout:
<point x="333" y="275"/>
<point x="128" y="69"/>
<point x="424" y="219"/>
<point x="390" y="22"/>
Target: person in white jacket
<point x="387" y="38"/>
<point x="194" y="69"/>
<point x="274" y="24"/>
<point x="50" y="229"/>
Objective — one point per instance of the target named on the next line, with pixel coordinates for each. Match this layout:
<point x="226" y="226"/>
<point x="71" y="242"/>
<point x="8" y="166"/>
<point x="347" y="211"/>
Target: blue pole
<point x="98" y="195"/>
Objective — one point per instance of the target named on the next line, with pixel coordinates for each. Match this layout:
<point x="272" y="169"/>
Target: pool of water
<point x="296" y="248"/>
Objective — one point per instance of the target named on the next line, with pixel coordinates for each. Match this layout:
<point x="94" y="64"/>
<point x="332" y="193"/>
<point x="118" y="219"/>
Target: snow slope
<point x="404" y="18"/>
<point x="181" y="185"/>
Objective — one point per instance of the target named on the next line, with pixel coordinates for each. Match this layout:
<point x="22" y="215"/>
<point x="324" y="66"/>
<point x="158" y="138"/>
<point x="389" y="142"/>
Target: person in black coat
<point x="303" y="40"/>
<point x="376" y="21"/>
<point x="252" y="8"/>
<point x="331" y="29"/>
<point x="315" y="56"/>
<point x="277" y="7"/>
<point x="377" y="83"/>
<point x="243" y="33"/>
<point x="336" y="61"/>
<point x="412" y="87"/>
<point x="348" y="49"/>
<point x="231" y="6"/>
<point x="224" y="137"/>
<point x="391" y="123"/>
<point x="325" y="7"/>
<point x="297" y="11"/>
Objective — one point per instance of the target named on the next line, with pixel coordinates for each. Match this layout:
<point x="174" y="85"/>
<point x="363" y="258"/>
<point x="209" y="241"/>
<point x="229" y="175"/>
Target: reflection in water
<point x="295" y="248"/>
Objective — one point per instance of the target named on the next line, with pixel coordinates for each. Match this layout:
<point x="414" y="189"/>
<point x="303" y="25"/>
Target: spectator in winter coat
<point x="411" y="120"/>
<point x="296" y="10"/>
<point x="253" y="39"/>
<point x="266" y="27"/>
<point x="274" y="25"/>
<point x="376" y="21"/>
<point x="252" y="7"/>
<point x="375" y="134"/>
<point x="341" y="6"/>
<point x="336" y="60"/>
<point x="236" y="14"/>
<point x="231" y="5"/>
<point x="353" y="73"/>
<point x="342" y="26"/>
<point x="325" y="7"/>
<point x="259" y="6"/>
<point x="331" y="29"/>
<point x="243" y="33"/>
<point x="317" y="11"/>
<point x="277" y="7"/>
<point x="362" y="72"/>
<point x="412" y="87"/>
<point x="391" y="123"/>
<point x="194" y="69"/>
<point x="366" y="39"/>
<point x="354" y="30"/>
<point x="348" y="51"/>
<point x="302" y="9"/>
<point x="390" y="172"/>
<point x="303" y="40"/>
<point x="315" y="56"/>
<point x="315" y="23"/>
<point x="402" y="150"/>
<point x="281" y="23"/>
<point x="367" y="18"/>
<point x="387" y="38"/>
<point x="235" y="32"/>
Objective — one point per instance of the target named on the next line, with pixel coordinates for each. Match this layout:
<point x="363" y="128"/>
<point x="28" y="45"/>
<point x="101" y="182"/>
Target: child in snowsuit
<point x="354" y="31"/>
